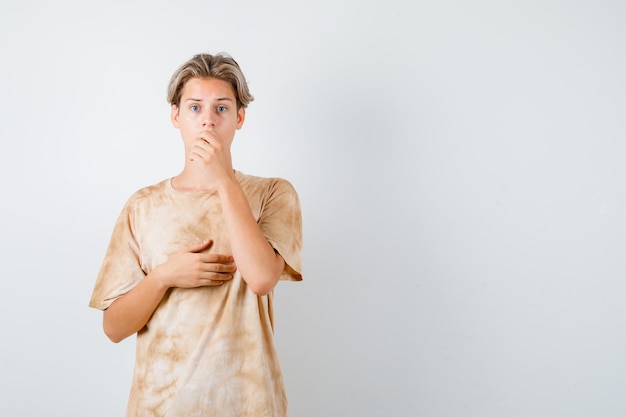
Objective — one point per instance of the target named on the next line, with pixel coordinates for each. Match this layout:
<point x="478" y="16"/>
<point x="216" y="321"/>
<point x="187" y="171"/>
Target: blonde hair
<point x="220" y="66"/>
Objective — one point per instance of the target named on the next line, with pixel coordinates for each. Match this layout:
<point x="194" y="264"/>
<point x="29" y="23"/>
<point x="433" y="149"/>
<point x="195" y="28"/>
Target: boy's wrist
<point x="227" y="183"/>
<point x="157" y="280"/>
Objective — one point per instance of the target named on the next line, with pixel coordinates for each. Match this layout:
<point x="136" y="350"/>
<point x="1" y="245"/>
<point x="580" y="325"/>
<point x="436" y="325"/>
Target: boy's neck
<point x="189" y="181"/>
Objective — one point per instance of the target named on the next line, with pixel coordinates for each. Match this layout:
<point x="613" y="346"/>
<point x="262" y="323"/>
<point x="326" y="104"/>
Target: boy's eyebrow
<point x="219" y="99"/>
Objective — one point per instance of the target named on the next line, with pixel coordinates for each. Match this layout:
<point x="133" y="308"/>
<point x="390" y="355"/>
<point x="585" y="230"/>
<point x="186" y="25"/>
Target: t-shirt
<point x="205" y="351"/>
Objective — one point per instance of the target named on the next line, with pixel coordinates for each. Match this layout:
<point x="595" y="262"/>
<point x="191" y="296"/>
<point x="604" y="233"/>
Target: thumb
<point x="198" y="247"/>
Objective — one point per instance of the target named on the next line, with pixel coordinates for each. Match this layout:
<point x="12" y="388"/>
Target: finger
<point x="216" y="280"/>
<point x="195" y="156"/>
<point x="204" y="142"/>
<point x="202" y="150"/>
<point x="207" y="136"/>
<point x="222" y="268"/>
<point x="198" y="247"/>
<point x="222" y="277"/>
<point x="216" y="258"/>
<point x="210" y="140"/>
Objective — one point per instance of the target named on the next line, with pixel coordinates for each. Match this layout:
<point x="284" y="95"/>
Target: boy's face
<point x="207" y="105"/>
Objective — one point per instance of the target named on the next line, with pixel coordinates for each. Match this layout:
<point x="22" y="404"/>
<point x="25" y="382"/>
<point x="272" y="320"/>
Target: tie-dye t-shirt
<point x="205" y="351"/>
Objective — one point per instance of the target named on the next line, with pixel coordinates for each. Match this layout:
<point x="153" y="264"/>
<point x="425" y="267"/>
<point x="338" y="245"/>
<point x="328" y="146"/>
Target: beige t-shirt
<point x="205" y="351"/>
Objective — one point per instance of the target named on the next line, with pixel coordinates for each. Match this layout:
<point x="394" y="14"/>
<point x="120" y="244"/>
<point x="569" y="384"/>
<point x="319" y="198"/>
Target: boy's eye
<point x="195" y="107"/>
<point x="221" y="109"/>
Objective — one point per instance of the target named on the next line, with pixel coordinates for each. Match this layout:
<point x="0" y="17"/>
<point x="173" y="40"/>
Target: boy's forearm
<point x="259" y="264"/>
<point x="130" y="313"/>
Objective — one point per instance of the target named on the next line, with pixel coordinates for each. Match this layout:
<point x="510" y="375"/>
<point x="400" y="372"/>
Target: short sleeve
<point x="281" y="223"/>
<point x="121" y="268"/>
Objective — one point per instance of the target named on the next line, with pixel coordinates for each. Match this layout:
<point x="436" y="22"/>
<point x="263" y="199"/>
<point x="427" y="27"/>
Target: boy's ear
<point x="174" y="115"/>
<point x="241" y="116"/>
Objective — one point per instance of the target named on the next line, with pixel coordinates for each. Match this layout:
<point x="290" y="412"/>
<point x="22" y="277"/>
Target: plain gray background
<point x="460" y="167"/>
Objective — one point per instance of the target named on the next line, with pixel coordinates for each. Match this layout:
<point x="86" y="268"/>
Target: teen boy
<point x="193" y="261"/>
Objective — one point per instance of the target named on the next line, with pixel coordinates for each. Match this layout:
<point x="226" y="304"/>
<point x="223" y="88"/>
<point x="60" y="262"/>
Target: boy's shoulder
<point x="254" y="181"/>
<point x="150" y="191"/>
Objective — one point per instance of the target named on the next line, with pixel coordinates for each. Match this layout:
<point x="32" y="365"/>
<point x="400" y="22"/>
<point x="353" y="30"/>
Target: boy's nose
<point x="208" y="120"/>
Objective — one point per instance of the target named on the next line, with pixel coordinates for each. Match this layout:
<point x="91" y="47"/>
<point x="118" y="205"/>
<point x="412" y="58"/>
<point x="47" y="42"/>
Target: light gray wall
<point x="460" y="166"/>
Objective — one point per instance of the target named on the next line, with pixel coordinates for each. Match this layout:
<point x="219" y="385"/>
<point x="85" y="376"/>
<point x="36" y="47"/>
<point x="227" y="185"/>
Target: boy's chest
<point x="168" y="229"/>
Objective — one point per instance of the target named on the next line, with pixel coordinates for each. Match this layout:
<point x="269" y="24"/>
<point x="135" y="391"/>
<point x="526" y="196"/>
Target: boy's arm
<point x="130" y="312"/>
<point x="260" y="266"/>
<point x="186" y="269"/>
